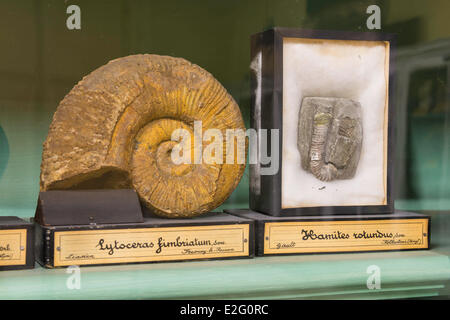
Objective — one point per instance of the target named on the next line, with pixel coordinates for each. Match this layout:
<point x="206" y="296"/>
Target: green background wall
<point x="41" y="60"/>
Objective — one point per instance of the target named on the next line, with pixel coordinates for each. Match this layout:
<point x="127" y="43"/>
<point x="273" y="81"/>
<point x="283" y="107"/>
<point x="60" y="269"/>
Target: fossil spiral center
<point x="165" y="162"/>
<point x="132" y="124"/>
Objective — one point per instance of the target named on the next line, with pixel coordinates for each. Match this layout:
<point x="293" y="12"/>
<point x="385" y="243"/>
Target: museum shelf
<point x="406" y="274"/>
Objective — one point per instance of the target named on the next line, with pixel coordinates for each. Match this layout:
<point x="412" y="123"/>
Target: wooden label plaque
<point x="345" y="236"/>
<point x="13" y="246"/>
<point x="109" y="246"/>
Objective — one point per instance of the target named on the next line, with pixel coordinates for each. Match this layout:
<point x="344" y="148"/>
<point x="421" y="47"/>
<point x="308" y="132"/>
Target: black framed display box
<point x="16" y="243"/>
<point x="322" y="103"/>
<point x="101" y="227"/>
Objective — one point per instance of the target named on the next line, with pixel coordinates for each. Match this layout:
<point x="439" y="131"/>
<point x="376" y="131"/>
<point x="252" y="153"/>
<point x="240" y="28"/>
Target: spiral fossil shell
<point x="113" y="130"/>
<point x="330" y="137"/>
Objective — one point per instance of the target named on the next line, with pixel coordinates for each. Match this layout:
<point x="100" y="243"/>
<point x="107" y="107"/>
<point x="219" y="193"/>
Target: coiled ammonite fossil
<point x="330" y="137"/>
<point x="113" y="130"/>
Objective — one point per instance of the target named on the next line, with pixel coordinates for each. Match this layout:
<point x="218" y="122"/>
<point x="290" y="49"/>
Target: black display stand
<point x="16" y="244"/>
<point x="341" y="233"/>
<point x="109" y="227"/>
<point x="80" y="207"/>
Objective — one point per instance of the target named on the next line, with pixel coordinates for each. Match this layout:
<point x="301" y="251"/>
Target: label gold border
<point x="58" y="261"/>
<point x="358" y="225"/>
<point x="22" y="235"/>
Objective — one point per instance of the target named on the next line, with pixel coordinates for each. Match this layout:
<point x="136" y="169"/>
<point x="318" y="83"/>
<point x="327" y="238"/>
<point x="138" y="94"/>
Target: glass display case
<point x="49" y="46"/>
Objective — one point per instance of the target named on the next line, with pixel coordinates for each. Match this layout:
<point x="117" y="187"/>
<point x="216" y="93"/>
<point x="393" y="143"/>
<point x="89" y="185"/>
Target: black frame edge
<point x="272" y="118"/>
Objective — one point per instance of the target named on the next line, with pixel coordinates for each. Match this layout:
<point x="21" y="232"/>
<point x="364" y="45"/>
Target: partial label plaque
<point x="150" y="244"/>
<point x="13" y="244"/>
<point x="345" y="236"/>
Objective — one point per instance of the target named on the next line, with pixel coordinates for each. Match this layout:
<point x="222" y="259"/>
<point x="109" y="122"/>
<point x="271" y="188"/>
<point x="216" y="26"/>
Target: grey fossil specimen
<point x="330" y="137"/>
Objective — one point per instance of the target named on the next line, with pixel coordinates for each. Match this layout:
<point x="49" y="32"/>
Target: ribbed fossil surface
<point x="330" y="137"/>
<point x="113" y="130"/>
